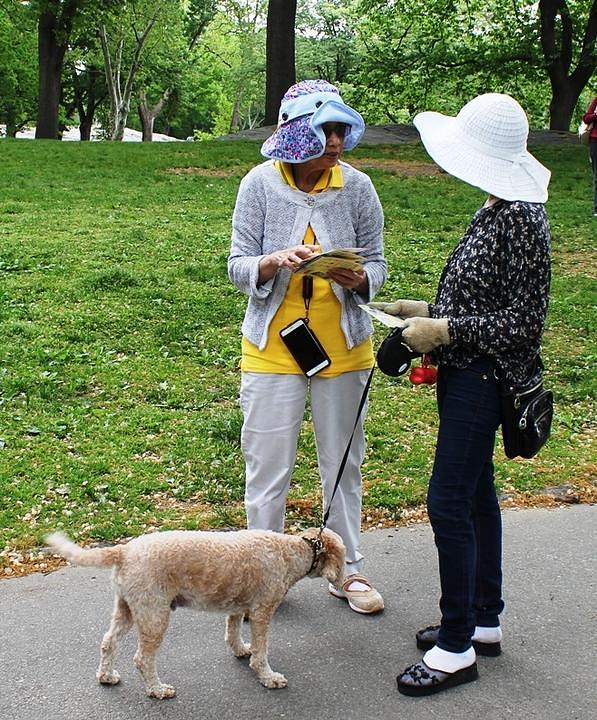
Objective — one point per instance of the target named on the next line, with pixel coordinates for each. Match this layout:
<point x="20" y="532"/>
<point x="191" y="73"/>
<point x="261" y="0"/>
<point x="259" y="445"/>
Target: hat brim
<point x="303" y="138"/>
<point x="293" y="142"/>
<point x="451" y="148"/>
<point x="338" y="111"/>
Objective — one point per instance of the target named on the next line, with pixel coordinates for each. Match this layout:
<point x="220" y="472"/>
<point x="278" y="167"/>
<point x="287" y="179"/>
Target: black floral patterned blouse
<point x="494" y="289"/>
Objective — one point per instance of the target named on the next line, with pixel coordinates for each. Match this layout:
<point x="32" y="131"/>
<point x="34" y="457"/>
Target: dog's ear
<point x="332" y="561"/>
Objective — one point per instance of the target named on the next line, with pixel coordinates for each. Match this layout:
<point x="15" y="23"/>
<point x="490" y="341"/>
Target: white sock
<point x="448" y="662"/>
<point x="357" y="585"/>
<point x="488" y="634"/>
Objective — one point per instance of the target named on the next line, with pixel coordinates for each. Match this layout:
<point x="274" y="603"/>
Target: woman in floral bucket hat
<point x="305" y="108"/>
<point x="486" y="322"/>
<point x="304" y="200"/>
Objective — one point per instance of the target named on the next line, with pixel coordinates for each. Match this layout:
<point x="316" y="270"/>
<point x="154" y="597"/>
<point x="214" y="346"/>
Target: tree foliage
<point x="442" y="52"/>
<point x="327" y="42"/>
<point x="122" y="59"/>
<point x="18" y="66"/>
<point x="210" y="65"/>
<point x="84" y="87"/>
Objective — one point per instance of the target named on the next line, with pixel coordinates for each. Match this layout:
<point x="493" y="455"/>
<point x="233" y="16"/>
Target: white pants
<point x="273" y="406"/>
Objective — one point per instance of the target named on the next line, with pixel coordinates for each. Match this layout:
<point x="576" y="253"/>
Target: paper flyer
<point x="345" y="258"/>
<point x="385" y="318"/>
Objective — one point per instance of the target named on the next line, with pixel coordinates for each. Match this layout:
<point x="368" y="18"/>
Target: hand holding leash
<point x="424" y="334"/>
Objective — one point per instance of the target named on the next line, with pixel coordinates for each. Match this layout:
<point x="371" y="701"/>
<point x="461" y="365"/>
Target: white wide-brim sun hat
<point x="486" y="146"/>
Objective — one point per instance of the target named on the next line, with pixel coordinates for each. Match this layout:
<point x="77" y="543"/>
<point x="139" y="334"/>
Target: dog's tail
<point x="94" y="557"/>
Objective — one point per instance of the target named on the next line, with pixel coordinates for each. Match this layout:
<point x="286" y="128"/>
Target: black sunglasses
<point x="335" y="128"/>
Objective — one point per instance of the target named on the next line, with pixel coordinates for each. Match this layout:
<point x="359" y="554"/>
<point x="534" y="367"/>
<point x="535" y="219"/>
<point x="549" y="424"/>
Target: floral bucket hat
<point x="305" y="108"/>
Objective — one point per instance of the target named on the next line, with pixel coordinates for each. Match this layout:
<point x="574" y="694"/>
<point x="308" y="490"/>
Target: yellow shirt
<point x="324" y="313"/>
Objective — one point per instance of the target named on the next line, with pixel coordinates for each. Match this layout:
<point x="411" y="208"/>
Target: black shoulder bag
<point x="526" y="413"/>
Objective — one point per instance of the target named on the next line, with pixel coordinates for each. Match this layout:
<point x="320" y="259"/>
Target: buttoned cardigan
<point x="269" y="216"/>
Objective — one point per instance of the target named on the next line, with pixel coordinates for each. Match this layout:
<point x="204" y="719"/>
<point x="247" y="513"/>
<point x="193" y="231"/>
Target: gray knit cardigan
<point x="270" y="215"/>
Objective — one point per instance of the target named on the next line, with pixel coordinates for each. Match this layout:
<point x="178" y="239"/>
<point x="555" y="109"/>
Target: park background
<point x="119" y="329"/>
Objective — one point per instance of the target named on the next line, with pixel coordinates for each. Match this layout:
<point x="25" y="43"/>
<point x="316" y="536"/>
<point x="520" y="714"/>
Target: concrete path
<point x="341" y="666"/>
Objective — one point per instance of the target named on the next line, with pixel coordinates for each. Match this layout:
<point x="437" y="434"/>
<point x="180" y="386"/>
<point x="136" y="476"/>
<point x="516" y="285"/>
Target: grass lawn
<point x="119" y="338"/>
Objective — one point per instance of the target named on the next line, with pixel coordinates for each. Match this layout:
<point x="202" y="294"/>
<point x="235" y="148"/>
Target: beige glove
<point x="423" y="334"/>
<point x="403" y="308"/>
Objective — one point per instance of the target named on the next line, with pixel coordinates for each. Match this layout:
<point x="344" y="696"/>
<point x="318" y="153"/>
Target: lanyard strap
<point x="345" y="458"/>
<point x="307" y="294"/>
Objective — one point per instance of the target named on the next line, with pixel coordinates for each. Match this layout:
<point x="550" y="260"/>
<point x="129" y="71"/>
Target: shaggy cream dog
<point x="246" y="572"/>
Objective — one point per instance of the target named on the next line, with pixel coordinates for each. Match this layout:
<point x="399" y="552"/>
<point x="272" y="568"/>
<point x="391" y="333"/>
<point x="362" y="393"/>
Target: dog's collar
<point x="317" y="549"/>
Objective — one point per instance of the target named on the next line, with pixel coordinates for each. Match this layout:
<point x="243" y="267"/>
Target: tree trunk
<point x="148" y="115"/>
<point x="51" y="56"/>
<point x="85" y="125"/>
<point x="11" y="123"/>
<point x="561" y="107"/>
<point x="120" y="97"/>
<point x="11" y="129"/>
<point x="146" y="127"/>
<point x="122" y="113"/>
<point x="557" y="41"/>
<point x="280" y="66"/>
<point x="87" y="92"/>
<point x="235" y="119"/>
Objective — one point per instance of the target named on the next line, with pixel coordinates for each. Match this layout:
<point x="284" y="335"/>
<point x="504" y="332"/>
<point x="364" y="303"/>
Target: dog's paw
<point x="242" y="650"/>
<point x="275" y="680"/>
<point x="108" y="678"/>
<point x="161" y="691"/>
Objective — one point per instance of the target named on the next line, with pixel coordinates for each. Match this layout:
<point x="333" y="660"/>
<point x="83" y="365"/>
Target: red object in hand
<point x="423" y="374"/>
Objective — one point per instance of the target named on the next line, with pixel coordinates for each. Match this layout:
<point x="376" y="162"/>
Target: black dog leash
<point x="345" y="458"/>
<point x="317" y="543"/>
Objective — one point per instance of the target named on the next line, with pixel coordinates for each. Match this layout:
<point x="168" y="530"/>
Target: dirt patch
<point x="208" y="172"/>
<point x="572" y="262"/>
<point x="398" y="167"/>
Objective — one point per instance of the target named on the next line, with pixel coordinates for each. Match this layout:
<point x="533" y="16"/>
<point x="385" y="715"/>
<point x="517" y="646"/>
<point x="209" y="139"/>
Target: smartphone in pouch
<point x="305" y="348"/>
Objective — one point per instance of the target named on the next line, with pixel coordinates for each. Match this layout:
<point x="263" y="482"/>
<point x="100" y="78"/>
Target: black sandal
<point x="427" y="638"/>
<point x="419" y="679"/>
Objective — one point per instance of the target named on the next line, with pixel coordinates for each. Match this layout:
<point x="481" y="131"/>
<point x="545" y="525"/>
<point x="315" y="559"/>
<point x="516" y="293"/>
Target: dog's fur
<point x="242" y="573"/>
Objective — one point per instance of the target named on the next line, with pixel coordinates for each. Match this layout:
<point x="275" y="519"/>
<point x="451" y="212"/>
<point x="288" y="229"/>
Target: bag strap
<point x="345" y="458"/>
<point x="536" y="369"/>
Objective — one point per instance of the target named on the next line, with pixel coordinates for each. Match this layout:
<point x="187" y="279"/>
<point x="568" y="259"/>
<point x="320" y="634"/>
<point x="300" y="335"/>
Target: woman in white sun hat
<point x="302" y="200"/>
<point x="486" y="322"/>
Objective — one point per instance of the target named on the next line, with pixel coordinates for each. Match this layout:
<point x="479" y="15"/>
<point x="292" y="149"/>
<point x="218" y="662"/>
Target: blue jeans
<point x="463" y="506"/>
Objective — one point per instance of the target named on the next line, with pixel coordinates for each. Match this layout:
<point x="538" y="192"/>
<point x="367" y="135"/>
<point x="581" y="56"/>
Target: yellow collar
<point x="331" y="178"/>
